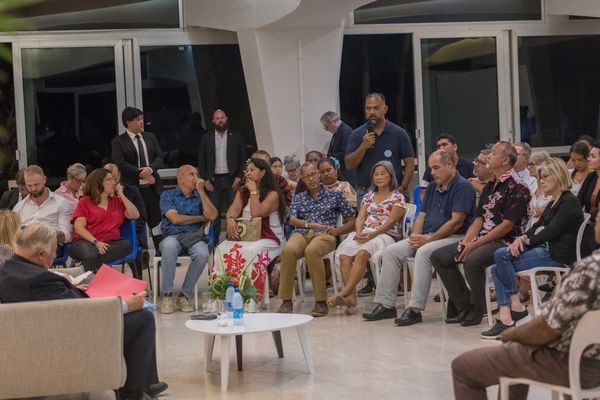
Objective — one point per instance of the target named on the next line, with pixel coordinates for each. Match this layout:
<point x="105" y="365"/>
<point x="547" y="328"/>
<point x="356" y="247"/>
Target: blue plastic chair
<point x="127" y="233"/>
<point x="417" y="199"/>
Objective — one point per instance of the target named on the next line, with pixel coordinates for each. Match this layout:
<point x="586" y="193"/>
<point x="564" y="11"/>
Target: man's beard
<point x="222" y="127"/>
<point x="37" y="194"/>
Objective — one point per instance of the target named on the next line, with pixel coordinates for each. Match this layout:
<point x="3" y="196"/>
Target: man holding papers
<point x="25" y="277"/>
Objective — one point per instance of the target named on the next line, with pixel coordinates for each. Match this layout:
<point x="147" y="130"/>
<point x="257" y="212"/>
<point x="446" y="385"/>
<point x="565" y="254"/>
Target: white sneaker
<point x="184" y="304"/>
<point x="166" y="306"/>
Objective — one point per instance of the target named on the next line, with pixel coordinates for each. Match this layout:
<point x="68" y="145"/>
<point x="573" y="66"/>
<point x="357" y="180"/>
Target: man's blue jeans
<point x="170" y="249"/>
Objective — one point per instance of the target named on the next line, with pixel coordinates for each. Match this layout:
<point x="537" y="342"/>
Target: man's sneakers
<point x="184" y="304"/>
<point x="380" y="312"/>
<point x="167" y="306"/>
<point x="409" y="317"/>
<point x="518" y="317"/>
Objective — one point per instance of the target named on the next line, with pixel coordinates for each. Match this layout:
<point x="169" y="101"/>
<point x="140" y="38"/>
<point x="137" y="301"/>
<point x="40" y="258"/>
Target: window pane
<point x="378" y="63"/>
<point x="182" y="86"/>
<point x="8" y="130"/>
<point x="97" y="14"/>
<point x="70" y="107"/>
<point x="416" y="11"/>
<point x="460" y="92"/>
<point x="559" y="88"/>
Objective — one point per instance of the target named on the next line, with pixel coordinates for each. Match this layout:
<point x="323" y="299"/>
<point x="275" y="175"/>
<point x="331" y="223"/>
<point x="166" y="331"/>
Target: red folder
<point x="109" y="282"/>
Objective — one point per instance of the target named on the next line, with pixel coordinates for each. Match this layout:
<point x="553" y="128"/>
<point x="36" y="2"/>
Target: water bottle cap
<point x="230" y="284"/>
<point x="237" y="290"/>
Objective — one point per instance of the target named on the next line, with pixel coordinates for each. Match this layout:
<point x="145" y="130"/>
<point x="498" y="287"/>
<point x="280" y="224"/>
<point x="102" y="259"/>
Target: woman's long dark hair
<point x="94" y="184"/>
<point x="268" y="184"/>
<point x="334" y="163"/>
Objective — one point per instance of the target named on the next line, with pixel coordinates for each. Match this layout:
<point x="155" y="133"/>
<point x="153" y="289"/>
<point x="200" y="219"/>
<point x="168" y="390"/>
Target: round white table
<point x="253" y="323"/>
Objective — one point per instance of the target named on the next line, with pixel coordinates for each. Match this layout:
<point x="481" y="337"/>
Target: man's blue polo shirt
<point x="175" y="200"/>
<point x="438" y="206"/>
<point x="392" y="145"/>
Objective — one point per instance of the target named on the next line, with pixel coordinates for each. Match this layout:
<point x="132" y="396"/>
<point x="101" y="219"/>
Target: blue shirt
<point x="175" y="200"/>
<point x="438" y="206"/>
<point x="392" y="145"/>
<point x="323" y="209"/>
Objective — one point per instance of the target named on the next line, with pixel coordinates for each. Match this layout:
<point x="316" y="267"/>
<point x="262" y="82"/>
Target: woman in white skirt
<point x="376" y="228"/>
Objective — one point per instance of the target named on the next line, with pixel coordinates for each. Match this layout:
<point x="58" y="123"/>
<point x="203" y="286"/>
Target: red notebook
<point x="109" y="282"/>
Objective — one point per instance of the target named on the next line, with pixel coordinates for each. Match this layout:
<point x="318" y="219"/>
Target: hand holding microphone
<point x="370" y="137"/>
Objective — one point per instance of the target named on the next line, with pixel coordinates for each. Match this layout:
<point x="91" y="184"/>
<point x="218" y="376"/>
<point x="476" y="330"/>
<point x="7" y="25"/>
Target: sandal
<point x="335" y="301"/>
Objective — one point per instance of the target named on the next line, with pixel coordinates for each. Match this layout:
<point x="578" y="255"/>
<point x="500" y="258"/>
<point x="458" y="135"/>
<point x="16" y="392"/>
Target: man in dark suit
<point x="138" y="156"/>
<point x="340" y="131"/>
<point x="11" y="197"/>
<point x="221" y="159"/>
<point x="25" y="277"/>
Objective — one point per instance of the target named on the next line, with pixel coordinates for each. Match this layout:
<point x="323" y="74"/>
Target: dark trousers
<point x="87" y="253"/>
<point x="139" y="349"/>
<point x="152" y="204"/>
<point x="221" y="197"/>
<point x="477" y="369"/>
<point x="475" y="265"/>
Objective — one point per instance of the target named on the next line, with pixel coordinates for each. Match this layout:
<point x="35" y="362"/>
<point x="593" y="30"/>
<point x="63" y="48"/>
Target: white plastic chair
<point x="532" y="273"/>
<point x="585" y="333"/>
<point x="157" y="231"/>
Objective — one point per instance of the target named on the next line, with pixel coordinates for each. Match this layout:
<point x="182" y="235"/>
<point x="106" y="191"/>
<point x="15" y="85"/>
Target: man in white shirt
<point x="520" y="167"/>
<point x="44" y="206"/>
<point x="221" y="160"/>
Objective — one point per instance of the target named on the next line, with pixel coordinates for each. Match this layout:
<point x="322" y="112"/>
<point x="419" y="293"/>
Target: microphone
<point x="371" y="122"/>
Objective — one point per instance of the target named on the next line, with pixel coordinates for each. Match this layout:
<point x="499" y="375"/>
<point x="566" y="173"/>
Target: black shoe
<point x="474" y="316"/>
<point x="157" y="388"/>
<point x="380" y="312"/>
<point x="458" y="317"/>
<point x="495" y="332"/>
<point x="409" y="317"/>
<point x="368" y="290"/>
<point x="519" y="315"/>
<point x="547" y="287"/>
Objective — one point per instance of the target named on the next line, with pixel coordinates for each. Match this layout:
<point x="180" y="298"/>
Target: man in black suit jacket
<point x="11" y="197"/>
<point x="340" y="131"/>
<point x="221" y="159"/>
<point x="25" y="277"/>
<point x="138" y="166"/>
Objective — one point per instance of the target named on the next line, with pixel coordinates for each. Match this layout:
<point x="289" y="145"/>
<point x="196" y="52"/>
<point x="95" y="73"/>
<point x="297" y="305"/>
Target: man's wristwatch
<point x="95" y="241"/>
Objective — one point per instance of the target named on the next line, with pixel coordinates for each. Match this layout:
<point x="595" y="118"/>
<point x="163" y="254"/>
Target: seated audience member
<point x="578" y="157"/>
<point x="329" y="169"/>
<point x="539" y="199"/>
<point x="314" y="214"/>
<point x="464" y="167"/>
<point x="276" y="166"/>
<point x="313" y="157"/>
<point x="523" y="150"/>
<point x="185" y="210"/>
<point x="97" y="220"/>
<point x="482" y="173"/>
<point x="539" y="349"/>
<point x="589" y="197"/>
<point x="10" y="223"/>
<point x="25" y="277"/>
<point x="550" y="242"/>
<point x="260" y="197"/>
<point x="445" y="214"/>
<point x="42" y="205"/>
<point x="377" y="227"/>
<point x="291" y="166"/>
<point x="11" y="197"/>
<point x="500" y="215"/>
<point x="588" y="140"/>
<point x="280" y="180"/>
<point x="70" y="190"/>
<point x="133" y="194"/>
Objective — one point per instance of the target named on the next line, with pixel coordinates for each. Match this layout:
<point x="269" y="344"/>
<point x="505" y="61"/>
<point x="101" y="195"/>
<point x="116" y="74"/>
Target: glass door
<point x="463" y="89"/>
<point x="69" y="97"/>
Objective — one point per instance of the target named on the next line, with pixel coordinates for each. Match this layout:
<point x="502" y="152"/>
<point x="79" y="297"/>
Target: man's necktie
<point x="140" y="149"/>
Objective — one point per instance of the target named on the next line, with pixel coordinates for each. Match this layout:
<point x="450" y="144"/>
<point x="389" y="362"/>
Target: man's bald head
<point x="114" y="170"/>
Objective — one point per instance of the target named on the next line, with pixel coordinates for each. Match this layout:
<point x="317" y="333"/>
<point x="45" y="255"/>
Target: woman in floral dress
<point x="260" y="196"/>
<point x="376" y="228"/>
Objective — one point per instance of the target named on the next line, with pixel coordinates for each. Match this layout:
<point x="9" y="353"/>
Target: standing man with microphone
<point x="376" y="140"/>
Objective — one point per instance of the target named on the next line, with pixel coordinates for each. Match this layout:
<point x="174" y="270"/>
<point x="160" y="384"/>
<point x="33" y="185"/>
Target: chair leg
<point x="488" y="300"/>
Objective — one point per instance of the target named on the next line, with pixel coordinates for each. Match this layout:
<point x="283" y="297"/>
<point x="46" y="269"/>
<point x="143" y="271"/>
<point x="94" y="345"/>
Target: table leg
<point x="209" y="345"/>
<point x="305" y="343"/>
<point x="225" y="347"/>
<point x="278" y="344"/>
<point x="238" y="350"/>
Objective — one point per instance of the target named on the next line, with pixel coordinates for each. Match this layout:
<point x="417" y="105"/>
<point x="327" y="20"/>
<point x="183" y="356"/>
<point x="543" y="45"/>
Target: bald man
<point x="221" y="160"/>
<point x="185" y="211"/>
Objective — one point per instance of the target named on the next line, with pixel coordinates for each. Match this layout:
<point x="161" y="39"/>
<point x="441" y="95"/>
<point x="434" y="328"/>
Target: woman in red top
<point x="97" y="220"/>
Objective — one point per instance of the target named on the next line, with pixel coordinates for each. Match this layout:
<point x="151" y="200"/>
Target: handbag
<point x="248" y="229"/>
<point x="188" y="239"/>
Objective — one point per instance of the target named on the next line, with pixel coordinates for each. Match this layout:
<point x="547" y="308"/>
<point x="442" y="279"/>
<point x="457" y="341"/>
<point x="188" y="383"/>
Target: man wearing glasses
<point x="314" y="215"/>
<point x="482" y="173"/>
<point x="523" y="152"/>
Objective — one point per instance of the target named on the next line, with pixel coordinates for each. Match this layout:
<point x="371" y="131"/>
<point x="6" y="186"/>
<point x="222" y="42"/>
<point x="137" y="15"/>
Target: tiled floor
<point x="353" y="359"/>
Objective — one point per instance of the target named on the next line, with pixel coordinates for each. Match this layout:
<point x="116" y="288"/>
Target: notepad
<point x="109" y="282"/>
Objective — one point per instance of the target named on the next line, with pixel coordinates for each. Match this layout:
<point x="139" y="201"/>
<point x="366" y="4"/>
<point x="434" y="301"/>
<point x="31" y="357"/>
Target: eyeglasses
<point x="81" y="181"/>
<point x="311" y="175"/>
<point x="478" y="162"/>
<point x="531" y="164"/>
<point x="545" y="177"/>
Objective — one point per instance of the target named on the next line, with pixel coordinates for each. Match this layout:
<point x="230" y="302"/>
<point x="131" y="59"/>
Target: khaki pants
<point x="313" y="248"/>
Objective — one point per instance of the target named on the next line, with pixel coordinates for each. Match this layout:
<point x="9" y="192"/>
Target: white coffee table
<point x="253" y="323"/>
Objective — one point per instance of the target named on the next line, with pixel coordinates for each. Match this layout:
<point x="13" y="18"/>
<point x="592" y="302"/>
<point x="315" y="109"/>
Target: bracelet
<point x="254" y="192"/>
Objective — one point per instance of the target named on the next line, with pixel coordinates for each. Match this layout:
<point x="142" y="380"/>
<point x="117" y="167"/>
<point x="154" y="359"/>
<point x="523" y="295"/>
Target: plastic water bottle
<point x="238" y="308"/>
<point x="229" y="300"/>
